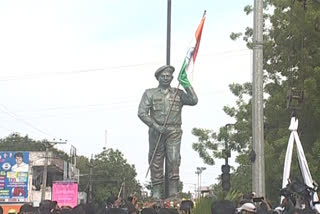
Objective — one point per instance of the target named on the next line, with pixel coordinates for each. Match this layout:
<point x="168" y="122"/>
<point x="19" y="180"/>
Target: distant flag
<point x="190" y="59"/>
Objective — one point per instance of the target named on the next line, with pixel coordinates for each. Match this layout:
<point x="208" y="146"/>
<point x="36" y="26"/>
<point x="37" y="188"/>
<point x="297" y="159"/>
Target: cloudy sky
<point x="77" y="69"/>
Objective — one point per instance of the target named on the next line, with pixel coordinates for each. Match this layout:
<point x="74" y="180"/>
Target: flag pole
<point x="204" y="13"/>
<point x="168" y="32"/>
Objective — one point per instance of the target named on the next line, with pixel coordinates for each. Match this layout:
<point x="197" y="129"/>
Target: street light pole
<point x="199" y="172"/>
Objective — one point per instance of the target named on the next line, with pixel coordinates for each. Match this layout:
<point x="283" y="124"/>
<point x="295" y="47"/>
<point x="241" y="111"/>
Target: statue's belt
<point x="178" y="126"/>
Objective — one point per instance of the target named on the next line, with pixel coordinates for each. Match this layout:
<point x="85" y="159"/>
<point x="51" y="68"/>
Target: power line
<point x="111" y="68"/>
<point x="6" y="111"/>
<point x="58" y="108"/>
<point x="121" y="106"/>
<point x="39" y="75"/>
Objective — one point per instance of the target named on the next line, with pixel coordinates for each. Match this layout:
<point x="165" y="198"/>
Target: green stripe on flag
<point x="183" y="78"/>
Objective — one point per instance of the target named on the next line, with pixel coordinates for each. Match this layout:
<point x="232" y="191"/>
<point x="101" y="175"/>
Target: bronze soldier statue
<point x="153" y="110"/>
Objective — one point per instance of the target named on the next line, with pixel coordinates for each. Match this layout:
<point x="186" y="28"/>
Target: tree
<point x="291" y="60"/>
<point x="110" y="171"/>
<point x="16" y="142"/>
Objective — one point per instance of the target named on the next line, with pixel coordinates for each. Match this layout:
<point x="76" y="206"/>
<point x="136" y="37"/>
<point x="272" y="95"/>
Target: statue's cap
<point x="162" y="68"/>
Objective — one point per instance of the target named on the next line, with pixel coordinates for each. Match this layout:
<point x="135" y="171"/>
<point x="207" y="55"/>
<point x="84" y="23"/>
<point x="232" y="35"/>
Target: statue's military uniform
<point x="153" y="110"/>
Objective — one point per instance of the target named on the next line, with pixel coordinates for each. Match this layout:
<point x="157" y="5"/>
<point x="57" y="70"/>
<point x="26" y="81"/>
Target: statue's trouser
<point x="169" y="147"/>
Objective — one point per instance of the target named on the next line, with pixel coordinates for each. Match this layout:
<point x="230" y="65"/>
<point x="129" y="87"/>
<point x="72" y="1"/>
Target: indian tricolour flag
<point x="191" y="55"/>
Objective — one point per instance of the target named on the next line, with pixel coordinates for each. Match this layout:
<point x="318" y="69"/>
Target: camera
<point x="258" y="199"/>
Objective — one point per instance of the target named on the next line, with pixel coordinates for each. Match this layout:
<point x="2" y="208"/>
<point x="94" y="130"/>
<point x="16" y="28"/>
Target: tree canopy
<point x="291" y="59"/>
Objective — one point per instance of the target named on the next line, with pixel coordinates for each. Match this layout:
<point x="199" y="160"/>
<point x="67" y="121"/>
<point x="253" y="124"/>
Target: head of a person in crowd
<point x="89" y="208"/>
<point x="308" y="211"/>
<point x="131" y="209"/>
<point x="134" y="199"/>
<point x="46" y="206"/>
<point x="79" y="209"/>
<point x="1" y="210"/>
<point x="186" y="205"/>
<point x="55" y="204"/>
<point x="223" y="207"/>
<point x="298" y="211"/>
<point x="66" y="207"/>
<point x="148" y="211"/>
<point x="113" y="202"/>
<point x="168" y="211"/>
<point x="247" y="208"/>
<point x="66" y="211"/>
<point x="56" y="211"/>
<point x="129" y="199"/>
<point x="27" y="209"/>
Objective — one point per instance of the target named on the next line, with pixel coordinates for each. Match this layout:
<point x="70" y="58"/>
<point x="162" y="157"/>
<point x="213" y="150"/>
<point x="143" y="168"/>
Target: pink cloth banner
<point x="65" y="193"/>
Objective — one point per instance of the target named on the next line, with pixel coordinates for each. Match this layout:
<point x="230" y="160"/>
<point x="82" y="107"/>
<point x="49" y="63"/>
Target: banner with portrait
<point x="14" y="171"/>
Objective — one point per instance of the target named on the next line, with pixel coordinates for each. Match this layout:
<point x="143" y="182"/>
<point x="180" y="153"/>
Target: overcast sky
<point x="77" y="69"/>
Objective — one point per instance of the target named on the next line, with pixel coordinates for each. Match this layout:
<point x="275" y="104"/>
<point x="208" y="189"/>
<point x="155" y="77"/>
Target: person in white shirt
<point x="20" y="166"/>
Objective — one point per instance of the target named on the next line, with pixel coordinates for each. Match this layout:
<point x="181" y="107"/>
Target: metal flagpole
<point x="166" y="188"/>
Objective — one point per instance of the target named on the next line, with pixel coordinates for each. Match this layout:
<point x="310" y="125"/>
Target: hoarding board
<point x="14" y="171"/>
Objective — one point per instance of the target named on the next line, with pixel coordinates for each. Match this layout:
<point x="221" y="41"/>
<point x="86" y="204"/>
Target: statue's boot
<point x="157" y="191"/>
<point x="173" y="188"/>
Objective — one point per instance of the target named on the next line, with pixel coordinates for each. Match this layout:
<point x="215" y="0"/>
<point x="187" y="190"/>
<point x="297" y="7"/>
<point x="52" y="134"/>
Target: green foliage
<point x="15" y="142"/>
<point x="235" y="36"/>
<point x="232" y="195"/>
<point x="110" y="171"/>
<point x="206" y="142"/>
<point x="291" y="59"/>
<point x="83" y="166"/>
<point x="202" y="206"/>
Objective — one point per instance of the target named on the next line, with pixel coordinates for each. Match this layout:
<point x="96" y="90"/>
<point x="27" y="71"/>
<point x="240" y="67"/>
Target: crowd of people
<point x="248" y="205"/>
<point x="114" y="205"/>
<point x="296" y="200"/>
<point x="258" y="205"/>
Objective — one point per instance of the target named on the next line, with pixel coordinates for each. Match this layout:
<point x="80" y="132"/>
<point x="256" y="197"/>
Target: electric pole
<point x="105" y="138"/>
<point x="90" y="179"/>
<point x="258" y="169"/>
<point x="44" y="176"/>
<point x="45" y="168"/>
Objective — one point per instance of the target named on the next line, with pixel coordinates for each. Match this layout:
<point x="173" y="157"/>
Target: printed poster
<point x="14" y="170"/>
